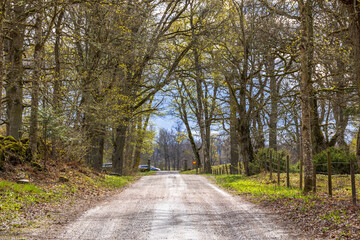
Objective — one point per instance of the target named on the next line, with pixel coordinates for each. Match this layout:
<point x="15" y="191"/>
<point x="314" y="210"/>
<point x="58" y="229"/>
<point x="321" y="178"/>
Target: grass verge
<point x="25" y="207"/>
<point x="316" y="214"/>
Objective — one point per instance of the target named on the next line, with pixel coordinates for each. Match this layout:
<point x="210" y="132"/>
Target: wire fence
<point x="321" y="178"/>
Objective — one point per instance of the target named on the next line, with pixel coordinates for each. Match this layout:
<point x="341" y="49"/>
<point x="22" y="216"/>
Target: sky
<point x="166" y="122"/>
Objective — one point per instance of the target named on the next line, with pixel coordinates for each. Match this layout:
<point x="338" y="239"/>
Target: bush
<point x="259" y="163"/>
<point x="339" y="158"/>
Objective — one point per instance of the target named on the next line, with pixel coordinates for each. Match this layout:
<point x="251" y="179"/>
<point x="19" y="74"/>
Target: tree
<point x="15" y="15"/>
<point x="306" y="58"/>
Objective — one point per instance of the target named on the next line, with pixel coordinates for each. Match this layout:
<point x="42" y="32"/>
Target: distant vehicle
<point x="144" y="168"/>
<point x="154" y="168"/>
<point x="107" y="165"/>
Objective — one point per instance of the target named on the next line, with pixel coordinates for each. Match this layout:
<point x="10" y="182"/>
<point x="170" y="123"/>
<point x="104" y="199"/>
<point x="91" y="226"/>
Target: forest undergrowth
<point x="51" y="196"/>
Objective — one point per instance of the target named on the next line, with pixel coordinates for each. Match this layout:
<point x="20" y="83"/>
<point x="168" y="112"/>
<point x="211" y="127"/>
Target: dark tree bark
<point x="234" y="147"/>
<point x="306" y="59"/>
<point x="119" y="145"/>
<point x="36" y="78"/>
<point x="274" y="99"/>
<point x="57" y="83"/>
<point x="14" y="78"/>
<point x="2" y="13"/>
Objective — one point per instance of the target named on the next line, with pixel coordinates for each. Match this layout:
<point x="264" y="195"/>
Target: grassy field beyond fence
<point x="262" y="183"/>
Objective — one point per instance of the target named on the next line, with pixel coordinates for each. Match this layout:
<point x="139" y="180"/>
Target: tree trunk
<point x="96" y="150"/>
<point x="354" y="29"/>
<point x="246" y="147"/>
<point x="36" y="79"/>
<point x="274" y="98"/>
<point x="204" y="131"/>
<point x="339" y="103"/>
<point x="317" y="136"/>
<point x="234" y="149"/>
<point x="306" y="59"/>
<point x="119" y="146"/>
<point x="129" y="148"/>
<point x="2" y="12"/>
<point x="184" y="118"/>
<point x="14" y="86"/>
<point x="57" y="83"/>
<point x="140" y="139"/>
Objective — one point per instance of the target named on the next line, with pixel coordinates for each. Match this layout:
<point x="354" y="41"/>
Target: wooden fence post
<point x="353" y="187"/>
<point x="329" y="173"/>
<point x="226" y="167"/>
<point x="278" y="169"/>
<point x="270" y="164"/>
<point x="287" y="171"/>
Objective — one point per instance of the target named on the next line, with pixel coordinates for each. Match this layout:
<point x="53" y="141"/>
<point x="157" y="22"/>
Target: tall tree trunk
<point x="317" y="136"/>
<point x="36" y="79"/>
<point x="96" y="151"/>
<point x="339" y="103"/>
<point x="129" y="148"/>
<point x="14" y="86"/>
<point x="354" y="29"/>
<point x="274" y="98"/>
<point x="184" y="118"/>
<point x="234" y="149"/>
<point x="119" y="145"/>
<point x="204" y="132"/>
<point x="2" y="16"/>
<point x="57" y="83"/>
<point x="306" y="58"/>
<point x="258" y="131"/>
<point x="140" y="138"/>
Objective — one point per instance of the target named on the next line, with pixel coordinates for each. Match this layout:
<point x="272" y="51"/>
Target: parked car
<point x="107" y="165"/>
<point x="144" y="168"/>
<point x="154" y="168"/>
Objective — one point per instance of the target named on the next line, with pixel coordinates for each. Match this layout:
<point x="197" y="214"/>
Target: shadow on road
<point x="167" y="172"/>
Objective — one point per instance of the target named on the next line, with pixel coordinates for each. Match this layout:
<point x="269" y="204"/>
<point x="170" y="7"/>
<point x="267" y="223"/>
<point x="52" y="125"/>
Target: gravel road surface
<point x="173" y="206"/>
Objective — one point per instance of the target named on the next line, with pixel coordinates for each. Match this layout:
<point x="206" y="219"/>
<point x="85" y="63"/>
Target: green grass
<point x="261" y="184"/>
<point x="193" y="171"/>
<point x="255" y="188"/>
<point x="116" y="181"/>
<point x="16" y="198"/>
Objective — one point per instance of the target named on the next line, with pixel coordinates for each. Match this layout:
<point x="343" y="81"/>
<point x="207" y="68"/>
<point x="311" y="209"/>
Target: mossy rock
<point x="37" y="166"/>
<point x="25" y="141"/>
<point x="2" y="137"/>
<point x="10" y="139"/>
<point x="16" y="148"/>
<point x="14" y="153"/>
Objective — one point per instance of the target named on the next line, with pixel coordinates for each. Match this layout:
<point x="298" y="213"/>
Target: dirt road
<point x="174" y="206"/>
